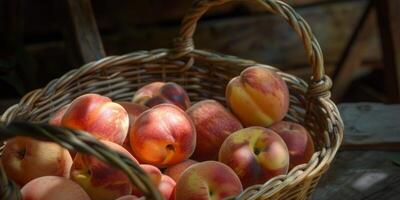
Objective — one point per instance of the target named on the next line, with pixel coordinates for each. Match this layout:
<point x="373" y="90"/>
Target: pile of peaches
<point x="199" y="151"/>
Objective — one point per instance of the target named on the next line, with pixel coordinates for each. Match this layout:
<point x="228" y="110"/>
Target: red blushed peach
<point x="99" y="116"/>
<point x="256" y="154"/>
<point x="258" y="97"/>
<point x="25" y="159"/>
<point x="213" y="125"/>
<point x="167" y="187"/>
<point x="175" y="171"/>
<point x="53" y="187"/>
<point x="133" y="110"/>
<point x="100" y="180"/>
<point x="298" y="142"/>
<point x="154" y="174"/>
<point x="159" y="92"/>
<point x="162" y="136"/>
<point x="57" y="117"/>
<point x="130" y="197"/>
<point x="208" y="180"/>
<point x="147" y="92"/>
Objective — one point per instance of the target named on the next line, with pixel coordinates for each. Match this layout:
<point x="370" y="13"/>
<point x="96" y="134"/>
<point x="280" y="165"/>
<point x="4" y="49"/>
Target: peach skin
<point x="159" y="92"/>
<point x="213" y="125"/>
<point x="162" y="136"/>
<point x="298" y="141"/>
<point x="100" y="180"/>
<point x="175" y="171"/>
<point x="256" y="154"/>
<point x="57" y="117"/>
<point x="25" y="159"/>
<point x="99" y="116"/>
<point x="258" y="97"/>
<point x="51" y="188"/>
<point x="208" y="180"/>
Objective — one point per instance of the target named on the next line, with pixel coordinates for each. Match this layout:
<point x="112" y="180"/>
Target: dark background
<point x="37" y="43"/>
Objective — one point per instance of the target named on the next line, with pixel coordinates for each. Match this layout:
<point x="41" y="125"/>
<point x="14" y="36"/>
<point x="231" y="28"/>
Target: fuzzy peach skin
<point x="147" y="92"/>
<point x="167" y="187"/>
<point x="131" y="197"/>
<point x="207" y="180"/>
<point x="162" y="136"/>
<point x="258" y="97"/>
<point x="256" y="154"/>
<point x="213" y="124"/>
<point x="51" y="188"/>
<point x="99" y="116"/>
<point x="175" y="171"/>
<point x="159" y="92"/>
<point x="57" y="117"/>
<point x="155" y="176"/>
<point x="133" y="110"/>
<point x="25" y="159"/>
<point x="100" y="180"/>
<point x="298" y="142"/>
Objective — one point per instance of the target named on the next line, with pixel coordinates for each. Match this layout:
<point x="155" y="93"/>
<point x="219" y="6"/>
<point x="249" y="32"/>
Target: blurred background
<point x="42" y="40"/>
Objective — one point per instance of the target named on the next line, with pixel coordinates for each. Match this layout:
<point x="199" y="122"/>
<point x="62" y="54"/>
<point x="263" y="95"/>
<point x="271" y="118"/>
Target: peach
<point x="133" y="110"/>
<point x="208" y="180"/>
<point x="256" y="154"/>
<point x="155" y="176"/>
<point x="167" y="187"/>
<point x="175" y="171"/>
<point x="159" y="92"/>
<point x="53" y="187"/>
<point x="25" y="159"/>
<point x="213" y="125"/>
<point x="99" y="116"/>
<point x="130" y="197"/>
<point x="100" y="180"/>
<point x="298" y="142"/>
<point x="57" y="117"/>
<point x="258" y="97"/>
<point x="162" y="136"/>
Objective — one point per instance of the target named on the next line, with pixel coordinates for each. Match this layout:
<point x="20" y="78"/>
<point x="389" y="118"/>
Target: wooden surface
<point x="82" y="32"/>
<point x="366" y="174"/>
<point x="389" y="23"/>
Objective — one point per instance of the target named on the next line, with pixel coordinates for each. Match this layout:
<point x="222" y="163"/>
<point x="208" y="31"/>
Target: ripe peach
<point x="298" y="142"/>
<point x="258" y="97"/>
<point x="167" y="187"/>
<point x="25" y="159"/>
<point x="53" y="187"/>
<point x="162" y="136"/>
<point x="175" y="171"/>
<point x="208" y="180"/>
<point x="99" y="116"/>
<point x="58" y="115"/>
<point x="159" y="92"/>
<point x="100" y="180"/>
<point x="213" y="124"/>
<point x="155" y="176"/>
<point x="133" y="110"/>
<point x="256" y="154"/>
<point x="130" y="197"/>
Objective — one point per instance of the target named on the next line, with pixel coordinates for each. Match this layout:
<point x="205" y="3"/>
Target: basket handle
<point x="184" y="43"/>
<point x="72" y="140"/>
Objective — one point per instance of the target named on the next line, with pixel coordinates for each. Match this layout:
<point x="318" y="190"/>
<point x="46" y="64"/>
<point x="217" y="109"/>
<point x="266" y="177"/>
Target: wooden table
<point x="368" y="165"/>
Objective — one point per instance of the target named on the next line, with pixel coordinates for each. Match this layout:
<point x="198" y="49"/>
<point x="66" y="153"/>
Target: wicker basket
<point x="204" y="75"/>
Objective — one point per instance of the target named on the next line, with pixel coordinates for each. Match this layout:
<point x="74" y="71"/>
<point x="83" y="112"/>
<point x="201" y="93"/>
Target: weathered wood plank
<point x="389" y="24"/>
<point x="353" y="54"/>
<point x="126" y="14"/>
<point x="371" y="126"/>
<point x="264" y="38"/>
<point x="361" y="175"/>
<point x="83" y="32"/>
